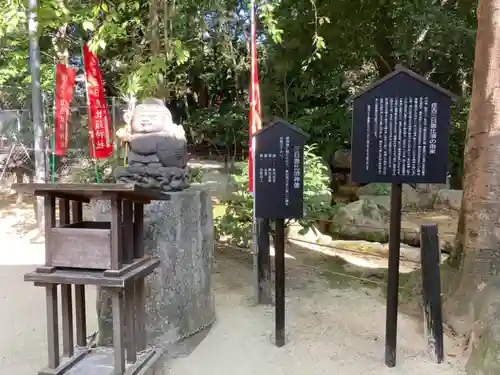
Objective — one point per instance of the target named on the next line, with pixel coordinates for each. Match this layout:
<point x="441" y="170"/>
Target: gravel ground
<point x="339" y="331"/>
<point x="23" y="349"/>
<point x="329" y="331"/>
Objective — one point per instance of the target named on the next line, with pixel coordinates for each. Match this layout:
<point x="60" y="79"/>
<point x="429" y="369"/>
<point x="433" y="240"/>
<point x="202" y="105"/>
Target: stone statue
<point x="157" y="149"/>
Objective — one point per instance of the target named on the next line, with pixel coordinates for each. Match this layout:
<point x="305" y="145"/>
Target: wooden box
<point x="85" y="244"/>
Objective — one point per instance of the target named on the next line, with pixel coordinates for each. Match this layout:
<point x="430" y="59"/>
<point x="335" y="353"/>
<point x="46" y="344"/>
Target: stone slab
<point x="179" y="297"/>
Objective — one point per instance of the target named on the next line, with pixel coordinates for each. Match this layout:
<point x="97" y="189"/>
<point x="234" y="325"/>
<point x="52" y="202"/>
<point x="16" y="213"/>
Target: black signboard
<point x="279" y="171"/>
<point x="400" y="131"/>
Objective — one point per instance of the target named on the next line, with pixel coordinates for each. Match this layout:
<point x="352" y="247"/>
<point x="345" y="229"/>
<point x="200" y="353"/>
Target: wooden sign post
<point x="278" y="194"/>
<point x="400" y="132"/>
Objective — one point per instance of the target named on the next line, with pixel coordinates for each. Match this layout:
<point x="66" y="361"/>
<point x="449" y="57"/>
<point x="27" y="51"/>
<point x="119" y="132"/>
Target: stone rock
<point x="179" y="293"/>
<point x="364" y="220"/>
<point x="295" y="230"/>
<point x="448" y="198"/>
<point x="137" y="169"/>
<point x="172" y="152"/>
<point x="342" y="159"/>
<point x="359" y="212"/>
<point x="360" y="220"/>
<point x="144" y="159"/>
<point x="410" y="197"/>
<point x="410" y="233"/>
<point x="169" y="151"/>
<point x="120" y="172"/>
<point x="427" y="194"/>
<point x="383" y="202"/>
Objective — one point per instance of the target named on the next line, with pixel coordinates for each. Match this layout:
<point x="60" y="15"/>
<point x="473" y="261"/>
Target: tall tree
<point x="477" y="252"/>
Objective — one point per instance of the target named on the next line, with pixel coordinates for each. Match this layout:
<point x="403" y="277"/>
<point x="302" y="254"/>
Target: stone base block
<point x="179" y="298"/>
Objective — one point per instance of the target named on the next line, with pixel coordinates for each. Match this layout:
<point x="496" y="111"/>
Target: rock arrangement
<point x="157" y="156"/>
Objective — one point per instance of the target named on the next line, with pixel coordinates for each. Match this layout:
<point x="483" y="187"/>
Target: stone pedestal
<point x="179" y="297"/>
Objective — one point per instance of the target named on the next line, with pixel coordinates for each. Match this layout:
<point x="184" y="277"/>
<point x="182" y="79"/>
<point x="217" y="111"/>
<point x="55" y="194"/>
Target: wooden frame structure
<point x="105" y="254"/>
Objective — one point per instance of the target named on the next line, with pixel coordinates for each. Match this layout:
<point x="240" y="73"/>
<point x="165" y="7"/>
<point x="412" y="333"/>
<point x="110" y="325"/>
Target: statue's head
<point x="151" y="116"/>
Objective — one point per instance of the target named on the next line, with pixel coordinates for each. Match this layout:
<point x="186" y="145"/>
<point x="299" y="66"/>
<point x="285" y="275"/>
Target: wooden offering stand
<point x="105" y="254"/>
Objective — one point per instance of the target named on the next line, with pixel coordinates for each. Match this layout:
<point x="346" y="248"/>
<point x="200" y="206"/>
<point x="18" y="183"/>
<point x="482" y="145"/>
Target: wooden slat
<point x="149" y="364"/>
<point x="128" y="232"/>
<point x="76" y="211"/>
<point x="85" y="192"/>
<point x="130" y="323"/>
<point x="81" y="319"/>
<point x="139" y="288"/>
<point x="140" y="314"/>
<point x="65" y="367"/>
<point x="138" y="230"/>
<point x="127" y="268"/>
<point x="80" y="248"/>
<point x="64" y="214"/>
<point x="67" y="320"/>
<point x="50" y="221"/>
<point x="52" y="326"/>
<point x="118" y="327"/>
<point x="116" y="234"/>
<point x="93" y="277"/>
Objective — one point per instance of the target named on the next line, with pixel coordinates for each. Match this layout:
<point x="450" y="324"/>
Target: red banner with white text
<point x="65" y="81"/>
<point x="100" y="128"/>
<point x="255" y="120"/>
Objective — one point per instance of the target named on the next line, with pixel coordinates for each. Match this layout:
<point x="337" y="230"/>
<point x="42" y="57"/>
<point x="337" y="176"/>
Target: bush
<point x="86" y="174"/>
<point x="235" y="225"/>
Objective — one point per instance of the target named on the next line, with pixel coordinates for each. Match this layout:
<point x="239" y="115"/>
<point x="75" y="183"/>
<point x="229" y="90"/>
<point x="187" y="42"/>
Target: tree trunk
<point x="478" y="239"/>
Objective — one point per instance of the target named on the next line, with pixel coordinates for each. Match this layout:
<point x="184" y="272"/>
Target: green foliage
<point x="191" y="52"/>
<point x="377" y="189"/>
<point x="87" y="172"/>
<point x="235" y="225"/>
<point x="195" y="175"/>
<point x="224" y="127"/>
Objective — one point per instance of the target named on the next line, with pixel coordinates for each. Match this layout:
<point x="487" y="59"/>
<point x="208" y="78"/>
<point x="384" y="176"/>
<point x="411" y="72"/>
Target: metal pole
<point x="36" y="102"/>
<point x="279" y="265"/>
<point x="391" y="325"/>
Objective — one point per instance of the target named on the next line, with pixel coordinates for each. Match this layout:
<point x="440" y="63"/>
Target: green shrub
<point x="235" y="225"/>
<point x="86" y="174"/>
<point x="195" y="175"/>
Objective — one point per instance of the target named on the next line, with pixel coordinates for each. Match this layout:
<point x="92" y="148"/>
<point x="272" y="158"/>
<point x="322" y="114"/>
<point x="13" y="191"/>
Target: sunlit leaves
<point x="88" y="25"/>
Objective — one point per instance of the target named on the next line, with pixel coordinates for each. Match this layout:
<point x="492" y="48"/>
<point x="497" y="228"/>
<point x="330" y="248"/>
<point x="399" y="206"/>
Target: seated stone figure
<point x="157" y="155"/>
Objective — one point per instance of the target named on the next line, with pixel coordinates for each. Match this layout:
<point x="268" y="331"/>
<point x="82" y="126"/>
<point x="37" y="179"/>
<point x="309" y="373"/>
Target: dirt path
<point x="338" y="331"/>
<point x="334" y="325"/>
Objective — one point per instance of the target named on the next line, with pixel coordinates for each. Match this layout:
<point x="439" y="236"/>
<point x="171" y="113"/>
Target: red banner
<point x="65" y="81"/>
<point x="255" y="122"/>
<point x="100" y="129"/>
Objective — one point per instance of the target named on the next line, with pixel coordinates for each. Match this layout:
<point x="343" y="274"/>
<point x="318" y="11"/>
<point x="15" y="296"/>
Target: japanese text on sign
<point x="268" y="174"/>
<point x="296" y="167"/>
<point x="400" y="128"/>
<point x="287" y="168"/>
<point x="279" y="169"/>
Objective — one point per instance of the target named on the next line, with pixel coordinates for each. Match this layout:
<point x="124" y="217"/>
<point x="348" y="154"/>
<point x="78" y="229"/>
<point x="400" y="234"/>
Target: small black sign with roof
<point x="279" y="171"/>
<point x="400" y="130"/>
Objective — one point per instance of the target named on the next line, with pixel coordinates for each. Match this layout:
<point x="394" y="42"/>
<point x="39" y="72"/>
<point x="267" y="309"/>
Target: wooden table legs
<point x="52" y="326"/>
<point x="118" y="337"/>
